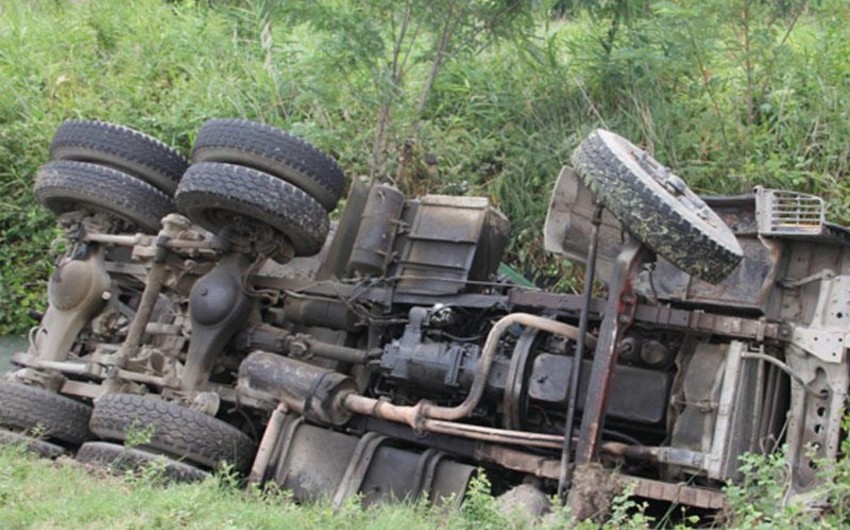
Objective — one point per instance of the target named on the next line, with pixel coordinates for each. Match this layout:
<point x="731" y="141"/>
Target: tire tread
<point x="176" y="430"/>
<point x="28" y="408"/>
<point x="121" y="147"/>
<point x="271" y="150"/>
<point x="653" y="221"/>
<point x="65" y="185"/>
<point x="210" y="186"/>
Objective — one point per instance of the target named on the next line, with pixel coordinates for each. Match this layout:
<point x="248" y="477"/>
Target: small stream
<point x="8" y="346"/>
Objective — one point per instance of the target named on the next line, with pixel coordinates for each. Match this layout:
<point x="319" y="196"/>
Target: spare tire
<point x="214" y="195"/>
<point x="272" y="151"/>
<point x="66" y="186"/>
<point x="121" y="148"/>
<point x="656" y="206"/>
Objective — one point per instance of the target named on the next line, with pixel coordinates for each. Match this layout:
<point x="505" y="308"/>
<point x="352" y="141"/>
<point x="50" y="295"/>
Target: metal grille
<point x="788" y="213"/>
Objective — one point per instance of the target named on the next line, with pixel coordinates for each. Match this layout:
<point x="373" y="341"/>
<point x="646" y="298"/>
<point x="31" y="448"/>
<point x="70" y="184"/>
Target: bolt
<point x="297" y="348"/>
<point x="106" y="295"/>
<point x="628" y="349"/>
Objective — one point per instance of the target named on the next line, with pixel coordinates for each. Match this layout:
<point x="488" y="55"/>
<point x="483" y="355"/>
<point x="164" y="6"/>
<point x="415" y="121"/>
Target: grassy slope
<point x="41" y="494"/>
<point x="726" y="111"/>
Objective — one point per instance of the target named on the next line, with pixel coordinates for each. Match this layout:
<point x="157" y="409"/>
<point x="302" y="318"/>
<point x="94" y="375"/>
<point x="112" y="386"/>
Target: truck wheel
<point x="56" y="417"/>
<point x="272" y="151"/>
<point x="168" y="428"/>
<point x="119" y="459"/>
<point x="656" y="206"/>
<point x="32" y="445"/>
<point x="65" y="186"/>
<point x="215" y="195"/>
<point x="121" y="148"/>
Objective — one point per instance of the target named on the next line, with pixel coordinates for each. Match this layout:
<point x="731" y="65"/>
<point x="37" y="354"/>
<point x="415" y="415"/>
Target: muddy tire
<point x="656" y="206"/>
<point x="173" y="430"/>
<point x="33" y="445"/>
<point x="119" y="459"/>
<point x="272" y="151"/>
<point x="67" y="186"/>
<point x="121" y="148"/>
<point x="214" y="195"/>
<point x="48" y="414"/>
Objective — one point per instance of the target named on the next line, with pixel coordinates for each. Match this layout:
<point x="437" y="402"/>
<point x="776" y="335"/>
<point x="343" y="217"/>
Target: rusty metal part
<point x="384" y="410"/>
<point x="677" y="493"/>
<point x="172" y="227"/>
<point x="309" y="346"/>
<point x="153" y="286"/>
<point x="92" y="370"/>
<point x="148" y="243"/>
<point x="564" y="476"/>
<point x="514" y="459"/>
<point x="267" y="444"/>
<point x="536" y="465"/>
<point x="317" y="393"/>
<point x="549" y="468"/>
<point x="696" y="320"/>
<point x="488" y="434"/>
<point x="642" y="453"/>
<point x="619" y="313"/>
<point x="661" y="315"/>
<point x="412" y="416"/>
<point x="277" y="340"/>
<point x="384" y="296"/>
<point x="34" y="361"/>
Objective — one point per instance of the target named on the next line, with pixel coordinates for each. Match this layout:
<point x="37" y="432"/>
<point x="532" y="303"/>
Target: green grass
<point x="41" y="494"/>
<point x="727" y="101"/>
<point x="37" y="493"/>
<point x="64" y="494"/>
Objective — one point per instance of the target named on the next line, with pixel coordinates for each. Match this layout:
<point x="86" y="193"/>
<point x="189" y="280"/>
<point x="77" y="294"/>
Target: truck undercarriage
<point x="391" y="359"/>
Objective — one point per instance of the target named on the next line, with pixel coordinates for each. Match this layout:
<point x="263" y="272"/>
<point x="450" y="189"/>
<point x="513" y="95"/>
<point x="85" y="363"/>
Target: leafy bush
<point x="728" y="95"/>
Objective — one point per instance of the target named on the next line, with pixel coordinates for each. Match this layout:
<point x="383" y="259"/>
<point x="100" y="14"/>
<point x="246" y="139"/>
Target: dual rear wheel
<point x="100" y="167"/>
<point x="250" y="175"/>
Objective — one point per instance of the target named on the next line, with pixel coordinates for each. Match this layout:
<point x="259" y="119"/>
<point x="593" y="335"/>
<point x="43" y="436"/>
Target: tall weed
<point x="730" y="95"/>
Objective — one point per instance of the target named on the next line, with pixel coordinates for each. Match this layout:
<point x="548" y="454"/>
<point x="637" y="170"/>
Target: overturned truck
<point x="202" y="314"/>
